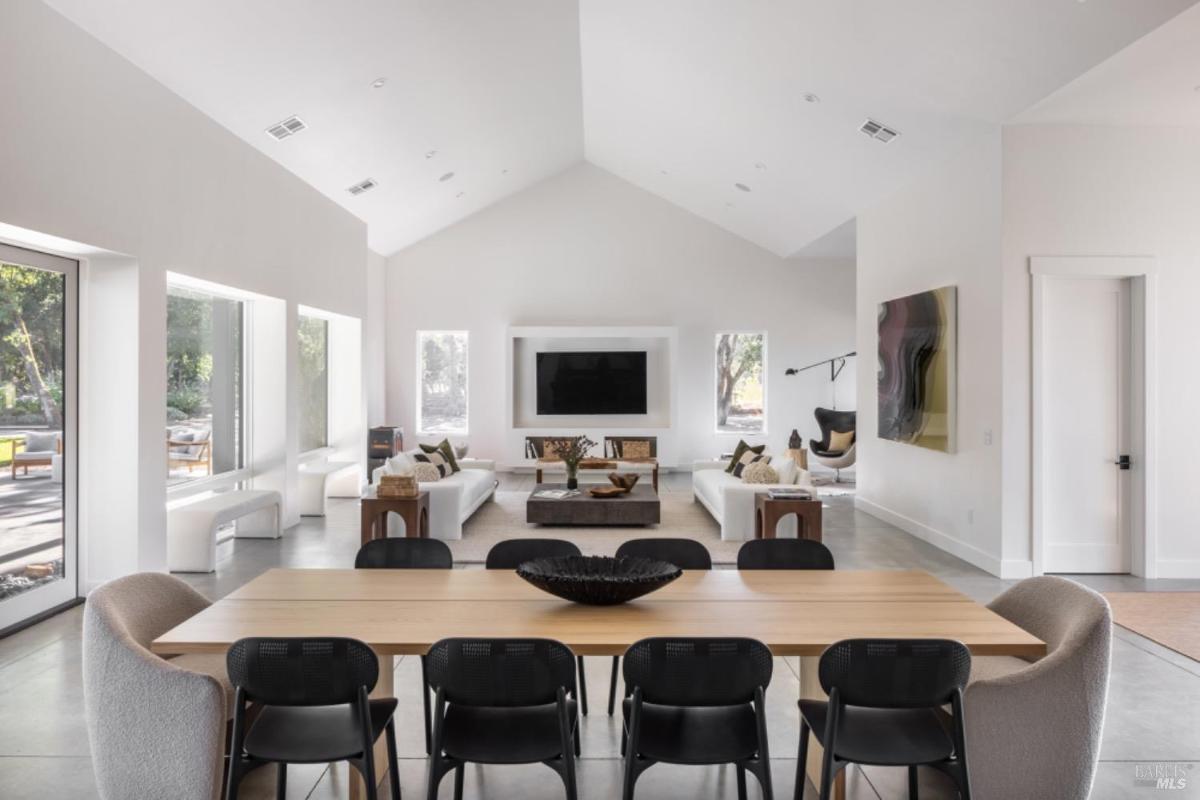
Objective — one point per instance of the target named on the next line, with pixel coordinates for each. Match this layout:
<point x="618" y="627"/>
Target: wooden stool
<point x="769" y="510"/>
<point x="413" y="510"/>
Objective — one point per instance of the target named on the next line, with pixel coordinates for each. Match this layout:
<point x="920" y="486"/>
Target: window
<point x="205" y="384"/>
<point x="442" y="382"/>
<point x="314" y="382"/>
<point x="741" y="382"/>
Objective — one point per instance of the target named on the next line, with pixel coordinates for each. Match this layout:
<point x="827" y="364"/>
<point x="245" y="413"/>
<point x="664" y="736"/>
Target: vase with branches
<point x="571" y="451"/>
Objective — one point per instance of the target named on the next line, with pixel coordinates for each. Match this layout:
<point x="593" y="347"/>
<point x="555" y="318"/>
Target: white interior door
<point x="1085" y="424"/>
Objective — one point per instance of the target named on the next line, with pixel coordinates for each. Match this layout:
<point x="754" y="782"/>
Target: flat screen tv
<point x="602" y="382"/>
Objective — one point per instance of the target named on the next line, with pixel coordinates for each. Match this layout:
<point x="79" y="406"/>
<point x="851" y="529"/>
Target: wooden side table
<point x="413" y="510"/>
<point x="768" y="511"/>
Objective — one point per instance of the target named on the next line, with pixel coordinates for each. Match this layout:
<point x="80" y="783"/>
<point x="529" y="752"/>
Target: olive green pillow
<point x="447" y="452"/>
<point x="741" y="450"/>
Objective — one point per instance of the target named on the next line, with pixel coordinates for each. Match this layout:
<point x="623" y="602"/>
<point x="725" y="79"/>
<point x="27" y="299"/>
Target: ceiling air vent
<point x="879" y="131"/>
<point x="282" y="130"/>
<point x="362" y="186"/>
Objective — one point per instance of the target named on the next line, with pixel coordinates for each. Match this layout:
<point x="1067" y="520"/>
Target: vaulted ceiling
<point x="685" y="98"/>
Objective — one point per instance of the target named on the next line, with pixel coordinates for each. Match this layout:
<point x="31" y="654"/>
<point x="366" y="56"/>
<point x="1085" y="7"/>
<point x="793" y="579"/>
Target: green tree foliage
<point x="31" y="337"/>
<point x="314" y="382"/>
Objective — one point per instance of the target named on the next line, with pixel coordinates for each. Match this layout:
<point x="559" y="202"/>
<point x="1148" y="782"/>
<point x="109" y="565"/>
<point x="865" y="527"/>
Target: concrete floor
<point x="1153" y="714"/>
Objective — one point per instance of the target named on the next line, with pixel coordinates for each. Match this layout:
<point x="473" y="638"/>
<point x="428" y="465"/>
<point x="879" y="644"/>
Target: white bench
<point x="320" y="480"/>
<point x="192" y="528"/>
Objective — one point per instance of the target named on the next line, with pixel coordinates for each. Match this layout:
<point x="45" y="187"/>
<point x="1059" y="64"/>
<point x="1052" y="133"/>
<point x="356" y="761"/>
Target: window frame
<point x="243" y="473"/>
<point x="312" y="313"/>
<point x="715" y="396"/>
<point x="420" y="363"/>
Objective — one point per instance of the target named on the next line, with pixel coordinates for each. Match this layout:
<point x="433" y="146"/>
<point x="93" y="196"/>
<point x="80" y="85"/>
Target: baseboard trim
<point x="1179" y="568"/>
<point x="967" y="552"/>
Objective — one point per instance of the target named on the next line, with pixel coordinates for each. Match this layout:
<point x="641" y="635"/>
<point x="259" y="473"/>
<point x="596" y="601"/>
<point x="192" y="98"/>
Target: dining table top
<point x="794" y="612"/>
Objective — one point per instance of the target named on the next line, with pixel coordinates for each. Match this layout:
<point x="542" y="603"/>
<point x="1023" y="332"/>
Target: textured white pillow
<point x="425" y="472"/>
<point x="759" y="472"/>
<point x="787" y="470"/>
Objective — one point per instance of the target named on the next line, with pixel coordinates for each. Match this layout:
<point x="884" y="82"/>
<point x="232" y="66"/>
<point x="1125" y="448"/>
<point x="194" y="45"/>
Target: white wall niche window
<point x="741" y="382"/>
<point x="312" y="331"/>
<point x="206" y="383"/>
<point x="442" y="382"/>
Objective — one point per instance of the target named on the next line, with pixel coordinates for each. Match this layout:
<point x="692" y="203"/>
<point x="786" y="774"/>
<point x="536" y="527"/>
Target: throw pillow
<point x="460" y="451"/>
<point x="786" y="471"/>
<point x="400" y="464"/>
<point x="436" y="459"/>
<point x="840" y="441"/>
<point x="425" y="472"/>
<point x="41" y="442"/>
<point x="447" y="452"/>
<point x="748" y="457"/>
<point x="178" y="448"/>
<point x="201" y="437"/>
<point x="740" y="450"/>
<point x="760" y="472"/>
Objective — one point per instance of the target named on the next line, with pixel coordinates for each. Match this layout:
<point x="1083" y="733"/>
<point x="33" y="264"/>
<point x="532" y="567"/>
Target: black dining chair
<point x="885" y="708"/>
<point x="683" y="553"/>
<point x="502" y="701"/>
<point x="313" y="708"/>
<point x="697" y="701"/>
<point x="784" y="554"/>
<point x="405" y="553"/>
<point x="512" y="553"/>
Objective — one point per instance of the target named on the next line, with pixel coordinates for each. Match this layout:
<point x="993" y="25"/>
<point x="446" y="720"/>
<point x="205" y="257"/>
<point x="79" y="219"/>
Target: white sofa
<point x="452" y="500"/>
<point x="731" y="502"/>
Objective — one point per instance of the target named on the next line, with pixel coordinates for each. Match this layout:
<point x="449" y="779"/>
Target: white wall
<point x="1075" y="190"/>
<point x="104" y="155"/>
<point x="943" y="230"/>
<point x="586" y="248"/>
<point x="374" y="335"/>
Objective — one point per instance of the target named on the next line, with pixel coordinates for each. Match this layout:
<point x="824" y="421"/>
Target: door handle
<point x="1122" y="462"/>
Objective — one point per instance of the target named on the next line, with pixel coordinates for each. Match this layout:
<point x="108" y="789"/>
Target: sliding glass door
<point x="37" y="433"/>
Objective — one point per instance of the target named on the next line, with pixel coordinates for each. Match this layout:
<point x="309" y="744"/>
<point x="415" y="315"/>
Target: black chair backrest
<point x="512" y="553"/>
<point x="500" y="672"/>
<point x="404" y="553"/>
<point x="697" y="671"/>
<point x="614" y="446"/>
<point x="683" y="553"/>
<point x="895" y="673"/>
<point x="302" y="672"/>
<point x="784" y="554"/>
<point x="830" y="420"/>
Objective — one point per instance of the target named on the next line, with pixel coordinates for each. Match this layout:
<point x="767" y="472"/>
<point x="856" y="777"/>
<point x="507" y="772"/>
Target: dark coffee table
<point x="639" y="507"/>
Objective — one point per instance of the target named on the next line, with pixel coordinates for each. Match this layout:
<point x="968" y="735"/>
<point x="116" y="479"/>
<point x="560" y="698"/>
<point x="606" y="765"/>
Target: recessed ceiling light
<point x="741" y="187"/>
<point x="446" y="177"/>
<point x="460" y="194"/>
<point x="759" y="165"/>
<point x="729" y="205"/>
<point x="503" y="172"/>
<point x="430" y="154"/>
<point x="378" y="83"/>
<point x="809" y="97"/>
<point x="663" y="172"/>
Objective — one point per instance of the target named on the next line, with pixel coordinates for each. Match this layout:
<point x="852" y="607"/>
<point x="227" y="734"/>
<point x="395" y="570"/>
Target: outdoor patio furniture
<point x="39" y="449"/>
<point x="189" y="448"/>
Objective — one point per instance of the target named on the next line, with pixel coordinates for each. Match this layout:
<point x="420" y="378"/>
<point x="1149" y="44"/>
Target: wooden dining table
<point x="794" y="612"/>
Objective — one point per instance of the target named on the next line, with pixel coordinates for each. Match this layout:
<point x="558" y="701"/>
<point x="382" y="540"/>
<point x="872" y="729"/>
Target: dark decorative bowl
<point x="598" y="580"/>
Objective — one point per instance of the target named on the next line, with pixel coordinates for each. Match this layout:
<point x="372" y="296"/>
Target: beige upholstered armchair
<point x="156" y="726"/>
<point x="1033" y="728"/>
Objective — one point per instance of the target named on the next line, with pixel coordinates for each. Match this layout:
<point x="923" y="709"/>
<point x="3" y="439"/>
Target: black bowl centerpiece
<point x="598" y="580"/>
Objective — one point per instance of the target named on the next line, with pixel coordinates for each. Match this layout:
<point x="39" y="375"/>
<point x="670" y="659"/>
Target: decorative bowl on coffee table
<point x="598" y="580"/>
<point x="625" y="481"/>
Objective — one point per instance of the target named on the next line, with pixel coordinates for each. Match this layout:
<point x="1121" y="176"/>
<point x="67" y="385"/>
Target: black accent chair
<point x="512" y="553"/>
<point x="502" y="701"/>
<point x="784" y="554"/>
<point x="405" y="553"/>
<point x="829" y="421"/>
<point x="697" y="701"/>
<point x="885" y="709"/>
<point x="683" y="553"/>
<point x="311" y="698"/>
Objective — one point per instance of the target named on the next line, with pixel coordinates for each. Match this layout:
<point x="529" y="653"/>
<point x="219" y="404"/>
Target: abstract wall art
<point x="917" y="342"/>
